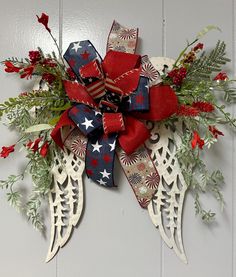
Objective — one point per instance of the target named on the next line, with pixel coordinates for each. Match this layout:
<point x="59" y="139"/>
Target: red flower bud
<point x="197" y="141"/>
<point x="44" y="149"/>
<point x="7" y="150"/>
<point x="10" y="67"/>
<point x="27" y="72"/>
<point x="215" y="132"/>
<point x="34" y="56"/>
<point x="49" y="62"/>
<point x="44" y="20"/>
<point x="177" y="75"/>
<point x="48" y="77"/>
<point x="202" y="106"/>
<point x="185" y="110"/>
<point x="197" y="47"/>
<point x="29" y="144"/>
<point x="34" y="145"/>
<point x="221" y="77"/>
<point x="22" y="94"/>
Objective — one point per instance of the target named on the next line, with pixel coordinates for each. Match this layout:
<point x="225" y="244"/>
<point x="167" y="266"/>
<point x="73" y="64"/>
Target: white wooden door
<point x="115" y="237"/>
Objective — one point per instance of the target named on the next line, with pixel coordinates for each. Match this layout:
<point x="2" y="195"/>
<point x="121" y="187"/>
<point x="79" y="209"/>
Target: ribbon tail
<point x="76" y="142"/>
<point x="99" y="159"/>
<point x="56" y="132"/>
<point x="141" y="174"/>
<point x="122" y="39"/>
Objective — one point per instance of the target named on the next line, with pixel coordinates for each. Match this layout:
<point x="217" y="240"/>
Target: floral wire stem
<point x="59" y="50"/>
<point x="183" y="51"/>
<point x="226" y="115"/>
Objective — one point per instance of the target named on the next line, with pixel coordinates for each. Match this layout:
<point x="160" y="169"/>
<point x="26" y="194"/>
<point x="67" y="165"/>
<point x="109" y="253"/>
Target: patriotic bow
<point x="108" y="97"/>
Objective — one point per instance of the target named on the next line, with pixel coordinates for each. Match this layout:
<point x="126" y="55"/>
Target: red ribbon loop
<point x="122" y="79"/>
<point x="91" y="69"/>
<point x="128" y="82"/>
<point x="78" y="93"/>
<point x="116" y="63"/>
<point x="163" y="104"/>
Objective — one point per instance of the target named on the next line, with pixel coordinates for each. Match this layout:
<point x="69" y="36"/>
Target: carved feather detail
<point x="165" y="209"/>
<point x="65" y="199"/>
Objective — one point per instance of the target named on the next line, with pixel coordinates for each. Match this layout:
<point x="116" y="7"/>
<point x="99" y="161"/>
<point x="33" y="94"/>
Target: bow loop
<point x="87" y="119"/>
<point x="126" y="62"/>
<point x="91" y="70"/>
<point x="79" y="93"/>
<point x="128" y="82"/>
<point x="163" y="104"/>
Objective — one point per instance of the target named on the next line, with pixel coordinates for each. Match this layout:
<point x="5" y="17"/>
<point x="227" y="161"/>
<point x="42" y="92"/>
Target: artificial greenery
<point x="199" y="85"/>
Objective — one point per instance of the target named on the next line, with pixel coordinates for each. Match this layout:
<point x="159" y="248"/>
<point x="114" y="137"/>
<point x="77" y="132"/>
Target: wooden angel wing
<point x="165" y="209"/>
<point x="65" y="199"/>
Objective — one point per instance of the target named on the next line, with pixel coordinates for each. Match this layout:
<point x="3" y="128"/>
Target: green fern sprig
<point x="205" y="65"/>
<point x="32" y="99"/>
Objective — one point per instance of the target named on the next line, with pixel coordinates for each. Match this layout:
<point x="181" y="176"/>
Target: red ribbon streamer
<point x="56" y="132"/>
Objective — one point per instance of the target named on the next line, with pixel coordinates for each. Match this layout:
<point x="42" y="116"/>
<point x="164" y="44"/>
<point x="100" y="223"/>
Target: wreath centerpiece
<point x="156" y="115"/>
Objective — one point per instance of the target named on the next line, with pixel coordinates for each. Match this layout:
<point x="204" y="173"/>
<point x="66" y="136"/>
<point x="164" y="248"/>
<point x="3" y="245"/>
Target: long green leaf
<point x="205" y="30"/>
<point x="38" y="128"/>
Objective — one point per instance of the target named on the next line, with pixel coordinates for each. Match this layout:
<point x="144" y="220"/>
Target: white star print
<point x="96" y="147"/>
<point x="87" y="123"/>
<point x="76" y="46"/>
<point x="112" y="145"/>
<point x="129" y="101"/>
<point x="97" y="113"/>
<point x="105" y="174"/>
<point x="147" y="86"/>
<point x="101" y="182"/>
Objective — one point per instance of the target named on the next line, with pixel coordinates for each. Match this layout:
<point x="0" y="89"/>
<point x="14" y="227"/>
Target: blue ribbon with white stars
<point x="100" y="151"/>
<point x="80" y="53"/>
<point x="99" y="159"/>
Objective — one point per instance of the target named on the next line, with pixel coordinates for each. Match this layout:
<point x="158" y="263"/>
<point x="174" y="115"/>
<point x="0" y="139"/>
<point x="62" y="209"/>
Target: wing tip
<point x="51" y="254"/>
